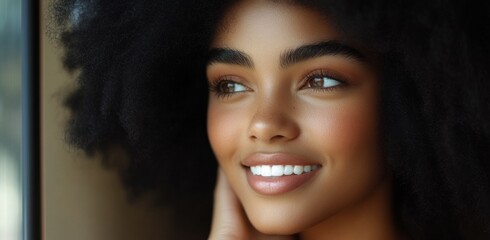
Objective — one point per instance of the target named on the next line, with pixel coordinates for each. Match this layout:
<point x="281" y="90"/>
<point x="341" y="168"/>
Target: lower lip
<point x="277" y="185"/>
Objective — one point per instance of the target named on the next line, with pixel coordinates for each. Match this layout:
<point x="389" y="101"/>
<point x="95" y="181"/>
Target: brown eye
<point x="321" y="82"/>
<point x="227" y="86"/>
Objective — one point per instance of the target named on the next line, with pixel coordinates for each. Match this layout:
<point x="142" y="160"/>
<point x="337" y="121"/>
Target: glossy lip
<point x="277" y="185"/>
<point x="276" y="159"/>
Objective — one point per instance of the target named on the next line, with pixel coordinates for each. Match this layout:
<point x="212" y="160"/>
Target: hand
<point x="229" y="219"/>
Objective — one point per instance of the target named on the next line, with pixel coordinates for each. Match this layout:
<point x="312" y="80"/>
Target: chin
<point x="276" y="226"/>
<point x="275" y="219"/>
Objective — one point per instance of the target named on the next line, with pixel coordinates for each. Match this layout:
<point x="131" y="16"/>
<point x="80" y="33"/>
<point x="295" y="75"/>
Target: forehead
<point x="269" y="23"/>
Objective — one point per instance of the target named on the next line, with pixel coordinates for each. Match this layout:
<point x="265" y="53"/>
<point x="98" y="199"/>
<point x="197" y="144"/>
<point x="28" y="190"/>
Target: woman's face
<point x="292" y="116"/>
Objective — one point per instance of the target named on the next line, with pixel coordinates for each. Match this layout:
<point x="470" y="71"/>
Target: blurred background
<point x="81" y="198"/>
<point x="10" y="120"/>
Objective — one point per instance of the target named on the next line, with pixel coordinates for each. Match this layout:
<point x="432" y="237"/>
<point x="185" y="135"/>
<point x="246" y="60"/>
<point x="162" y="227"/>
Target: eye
<point x="321" y="80"/>
<point x="226" y="88"/>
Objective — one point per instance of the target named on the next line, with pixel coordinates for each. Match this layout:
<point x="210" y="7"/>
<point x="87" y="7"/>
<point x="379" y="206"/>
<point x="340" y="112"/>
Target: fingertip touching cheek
<point x="292" y="118"/>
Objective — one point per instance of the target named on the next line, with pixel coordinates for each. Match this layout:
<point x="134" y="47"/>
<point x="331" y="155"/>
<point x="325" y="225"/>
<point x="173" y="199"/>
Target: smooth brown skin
<point x="278" y="111"/>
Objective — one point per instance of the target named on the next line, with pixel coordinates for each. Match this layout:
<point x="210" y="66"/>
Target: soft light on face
<point x="287" y="91"/>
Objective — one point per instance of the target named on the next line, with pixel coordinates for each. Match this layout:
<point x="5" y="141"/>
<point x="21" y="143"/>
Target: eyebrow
<point x="320" y="49"/>
<point x="229" y="56"/>
<point x="289" y="57"/>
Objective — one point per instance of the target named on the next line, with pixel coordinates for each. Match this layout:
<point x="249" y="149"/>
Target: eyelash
<point x="323" y="73"/>
<point x="215" y="86"/>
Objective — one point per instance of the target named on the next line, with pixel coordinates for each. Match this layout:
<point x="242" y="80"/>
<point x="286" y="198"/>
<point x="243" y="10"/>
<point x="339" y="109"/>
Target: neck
<point x="370" y="219"/>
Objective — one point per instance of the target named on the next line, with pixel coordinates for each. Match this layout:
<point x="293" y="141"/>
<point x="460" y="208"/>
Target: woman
<point x="329" y="120"/>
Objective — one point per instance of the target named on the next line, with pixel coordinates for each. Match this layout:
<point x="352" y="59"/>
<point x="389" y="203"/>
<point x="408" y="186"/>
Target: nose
<point x="273" y="122"/>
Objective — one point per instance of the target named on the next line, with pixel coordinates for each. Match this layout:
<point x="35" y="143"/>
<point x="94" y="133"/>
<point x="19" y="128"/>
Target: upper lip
<point x="255" y="159"/>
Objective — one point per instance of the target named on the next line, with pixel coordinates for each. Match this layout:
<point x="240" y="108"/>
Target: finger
<point x="227" y="205"/>
<point x="228" y="218"/>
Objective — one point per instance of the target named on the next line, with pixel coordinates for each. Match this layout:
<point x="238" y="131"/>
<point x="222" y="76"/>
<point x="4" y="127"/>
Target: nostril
<point x="277" y="137"/>
<point x="271" y="139"/>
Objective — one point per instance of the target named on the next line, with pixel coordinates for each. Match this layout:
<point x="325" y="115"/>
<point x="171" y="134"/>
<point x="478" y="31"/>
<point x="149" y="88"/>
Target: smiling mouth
<point x="281" y="170"/>
<point x="278" y="173"/>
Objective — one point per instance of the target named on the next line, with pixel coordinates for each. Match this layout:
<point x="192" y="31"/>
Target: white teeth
<point x="266" y="170"/>
<point x="298" y="170"/>
<point x="280" y="170"/>
<point x="277" y="170"/>
<point x="256" y="170"/>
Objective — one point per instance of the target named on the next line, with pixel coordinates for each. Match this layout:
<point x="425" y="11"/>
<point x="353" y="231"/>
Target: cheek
<point x="344" y="130"/>
<point x="347" y="136"/>
<point x="223" y="130"/>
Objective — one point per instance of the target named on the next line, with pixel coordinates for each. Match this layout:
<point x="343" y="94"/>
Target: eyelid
<point x="214" y="86"/>
<point x="322" y="73"/>
<point x="325" y="72"/>
<point x="230" y="78"/>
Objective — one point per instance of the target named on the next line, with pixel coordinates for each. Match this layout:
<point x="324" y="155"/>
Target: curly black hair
<point x="140" y="66"/>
